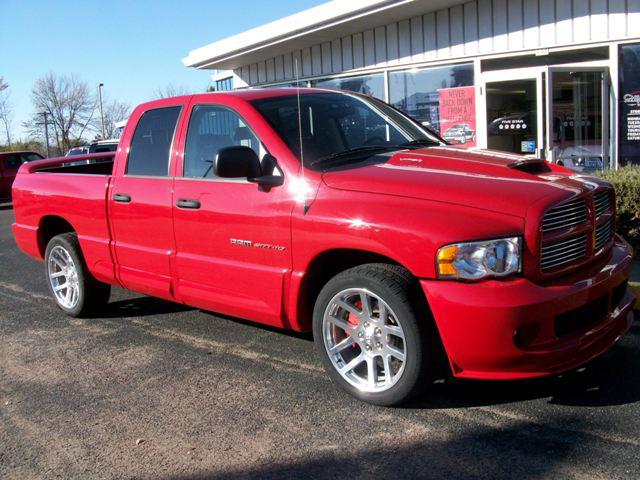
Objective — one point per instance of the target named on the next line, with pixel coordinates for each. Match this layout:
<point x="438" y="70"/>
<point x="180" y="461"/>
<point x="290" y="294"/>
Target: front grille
<point x="565" y="215"/>
<point x="603" y="235"/>
<point x="602" y="202"/>
<point x="565" y="251"/>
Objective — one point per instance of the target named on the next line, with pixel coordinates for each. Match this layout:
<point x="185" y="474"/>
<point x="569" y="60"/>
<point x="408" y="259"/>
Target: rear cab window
<point x="151" y="143"/>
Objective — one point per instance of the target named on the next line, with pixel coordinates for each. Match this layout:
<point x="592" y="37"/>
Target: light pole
<point x="100" y="85"/>
<point x="46" y="131"/>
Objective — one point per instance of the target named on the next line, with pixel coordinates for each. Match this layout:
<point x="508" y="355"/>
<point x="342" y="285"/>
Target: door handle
<point x="122" y="198"/>
<point x="187" y="203"/>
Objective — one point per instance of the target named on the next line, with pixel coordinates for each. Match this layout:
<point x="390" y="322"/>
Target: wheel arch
<point x="324" y="266"/>
<point x="49" y="227"/>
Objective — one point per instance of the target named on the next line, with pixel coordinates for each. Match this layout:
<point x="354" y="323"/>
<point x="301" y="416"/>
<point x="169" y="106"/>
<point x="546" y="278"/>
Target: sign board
<point x="629" y="103"/>
<point x="457" y="108"/>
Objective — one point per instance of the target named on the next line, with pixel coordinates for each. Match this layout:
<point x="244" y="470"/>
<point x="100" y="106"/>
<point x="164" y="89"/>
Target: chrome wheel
<point x="63" y="276"/>
<point x="364" y="340"/>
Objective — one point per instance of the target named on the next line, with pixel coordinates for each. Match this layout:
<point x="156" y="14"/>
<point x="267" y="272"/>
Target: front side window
<point x="212" y="128"/>
<point x="151" y="143"/>
<point x="335" y="124"/>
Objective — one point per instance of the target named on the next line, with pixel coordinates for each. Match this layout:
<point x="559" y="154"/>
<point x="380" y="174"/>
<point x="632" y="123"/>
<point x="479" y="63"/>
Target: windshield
<point x="339" y="125"/>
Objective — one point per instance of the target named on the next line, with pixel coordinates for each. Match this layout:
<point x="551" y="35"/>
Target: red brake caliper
<point x="353" y="320"/>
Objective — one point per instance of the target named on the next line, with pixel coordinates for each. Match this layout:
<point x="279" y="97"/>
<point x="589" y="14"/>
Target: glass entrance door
<point x="578" y="123"/>
<point x="556" y="113"/>
<point x="512" y="116"/>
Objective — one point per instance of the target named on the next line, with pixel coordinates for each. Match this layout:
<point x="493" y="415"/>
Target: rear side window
<point x="149" y="150"/>
<point x="212" y="128"/>
<point x="12" y="161"/>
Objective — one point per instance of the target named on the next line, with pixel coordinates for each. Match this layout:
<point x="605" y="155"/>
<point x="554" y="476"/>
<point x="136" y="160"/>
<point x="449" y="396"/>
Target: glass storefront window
<point x="629" y="105"/>
<point x="372" y="85"/>
<point x="425" y="95"/>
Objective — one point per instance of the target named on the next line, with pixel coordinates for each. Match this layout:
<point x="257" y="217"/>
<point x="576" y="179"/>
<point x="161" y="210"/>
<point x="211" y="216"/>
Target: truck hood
<point x="485" y="179"/>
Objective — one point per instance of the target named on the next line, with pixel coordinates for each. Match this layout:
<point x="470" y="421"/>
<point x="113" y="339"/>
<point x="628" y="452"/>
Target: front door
<point x="232" y="236"/>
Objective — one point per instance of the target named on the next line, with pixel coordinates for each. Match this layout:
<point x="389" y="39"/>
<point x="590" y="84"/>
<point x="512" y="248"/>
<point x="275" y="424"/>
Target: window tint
<point x="212" y="128"/>
<point x="12" y="161"/>
<point x="149" y="151"/>
<point x="30" y="157"/>
<point x="368" y="84"/>
<point x="334" y="122"/>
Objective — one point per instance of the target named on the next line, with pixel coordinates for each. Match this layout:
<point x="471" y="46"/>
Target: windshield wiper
<point x="419" y="143"/>
<point x="345" y="154"/>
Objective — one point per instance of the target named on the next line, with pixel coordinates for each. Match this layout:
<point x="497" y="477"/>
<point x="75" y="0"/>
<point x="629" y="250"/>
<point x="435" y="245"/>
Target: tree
<point x="114" y="111"/>
<point x="171" y="90"/>
<point x="70" y="105"/>
<point x="6" y="112"/>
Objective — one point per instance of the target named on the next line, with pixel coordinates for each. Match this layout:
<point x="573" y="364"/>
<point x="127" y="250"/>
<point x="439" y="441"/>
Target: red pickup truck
<point x="9" y="164"/>
<point x="333" y="212"/>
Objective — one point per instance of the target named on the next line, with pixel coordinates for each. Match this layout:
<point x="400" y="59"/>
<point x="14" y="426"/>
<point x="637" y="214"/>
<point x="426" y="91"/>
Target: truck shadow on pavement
<point x="520" y="450"/>
<point x="142" y="307"/>
<point x="611" y="379"/>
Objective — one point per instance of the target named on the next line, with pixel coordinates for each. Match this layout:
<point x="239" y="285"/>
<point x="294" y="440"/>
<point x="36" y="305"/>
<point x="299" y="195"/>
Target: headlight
<point x="476" y="260"/>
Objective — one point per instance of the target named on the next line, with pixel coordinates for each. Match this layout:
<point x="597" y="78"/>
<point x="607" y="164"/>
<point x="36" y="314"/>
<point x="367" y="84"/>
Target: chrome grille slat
<point x="577" y="213"/>
<point x="553" y="259"/>
<point x="563" y="252"/>
<point x="551" y="213"/>
<point x="565" y="215"/>
<point x="555" y="256"/>
<point x="563" y="243"/>
<point x="603" y="235"/>
<point x="566" y="260"/>
<point x="602" y="202"/>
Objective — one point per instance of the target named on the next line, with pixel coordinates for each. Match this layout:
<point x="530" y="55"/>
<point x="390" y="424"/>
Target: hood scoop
<point x="534" y="166"/>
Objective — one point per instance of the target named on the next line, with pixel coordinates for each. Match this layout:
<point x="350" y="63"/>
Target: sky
<point x="134" y="47"/>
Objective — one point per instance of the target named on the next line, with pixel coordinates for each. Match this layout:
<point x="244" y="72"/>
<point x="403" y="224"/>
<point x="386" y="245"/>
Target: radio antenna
<point x="304" y="183"/>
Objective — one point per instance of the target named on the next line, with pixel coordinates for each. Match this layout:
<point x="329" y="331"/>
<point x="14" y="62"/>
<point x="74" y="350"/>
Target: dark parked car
<point x="9" y="164"/>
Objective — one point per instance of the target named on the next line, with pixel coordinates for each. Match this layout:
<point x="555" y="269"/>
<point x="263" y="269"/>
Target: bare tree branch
<point x="69" y="103"/>
<point x="170" y="90"/>
<point x="6" y="112"/>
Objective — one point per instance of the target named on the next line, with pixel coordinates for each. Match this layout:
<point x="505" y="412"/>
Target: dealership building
<point x="558" y="79"/>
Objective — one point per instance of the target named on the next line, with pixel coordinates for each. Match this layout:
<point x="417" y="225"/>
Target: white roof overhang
<point x="316" y="25"/>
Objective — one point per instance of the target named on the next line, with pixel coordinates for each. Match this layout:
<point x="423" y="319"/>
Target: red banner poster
<point x="458" y="116"/>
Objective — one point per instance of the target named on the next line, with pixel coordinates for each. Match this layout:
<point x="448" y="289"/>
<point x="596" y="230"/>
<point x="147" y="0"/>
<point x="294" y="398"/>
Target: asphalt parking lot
<point x="158" y="390"/>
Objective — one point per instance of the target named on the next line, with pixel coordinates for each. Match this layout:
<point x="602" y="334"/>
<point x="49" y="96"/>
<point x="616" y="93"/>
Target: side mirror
<point x="237" y="162"/>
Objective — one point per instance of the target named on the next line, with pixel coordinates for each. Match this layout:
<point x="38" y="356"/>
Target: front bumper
<point x="513" y="329"/>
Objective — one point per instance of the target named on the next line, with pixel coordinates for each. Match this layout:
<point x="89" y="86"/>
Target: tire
<point x="84" y="294"/>
<point x="382" y="360"/>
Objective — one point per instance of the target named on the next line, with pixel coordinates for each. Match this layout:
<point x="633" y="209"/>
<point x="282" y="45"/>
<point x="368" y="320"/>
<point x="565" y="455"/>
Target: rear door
<point x="140" y="200"/>
<point x="232" y="236"/>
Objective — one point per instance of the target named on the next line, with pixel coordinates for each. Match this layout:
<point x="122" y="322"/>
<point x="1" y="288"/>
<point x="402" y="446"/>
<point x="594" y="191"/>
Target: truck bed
<point x="72" y="189"/>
